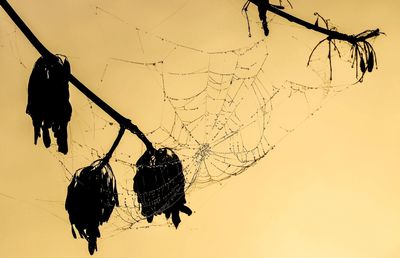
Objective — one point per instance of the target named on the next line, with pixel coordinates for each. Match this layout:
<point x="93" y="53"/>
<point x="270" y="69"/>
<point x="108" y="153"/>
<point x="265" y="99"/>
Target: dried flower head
<point x="91" y="198"/>
<point x="160" y="185"/>
<point x="48" y="100"/>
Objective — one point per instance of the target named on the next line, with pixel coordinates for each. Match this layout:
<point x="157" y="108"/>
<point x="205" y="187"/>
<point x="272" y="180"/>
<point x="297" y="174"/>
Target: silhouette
<point x="92" y="195"/>
<point x="159" y="182"/>
<point x="160" y="185"/>
<point x="262" y="6"/>
<point x="262" y="13"/>
<point x="362" y="53"/>
<point x="48" y="100"/>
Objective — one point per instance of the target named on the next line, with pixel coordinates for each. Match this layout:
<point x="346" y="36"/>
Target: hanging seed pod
<point x="48" y="100"/>
<point x="160" y="185"/>
<point x="371" y="61"/>
<point x="362" y="65"/>
<point x="91" y="198"/>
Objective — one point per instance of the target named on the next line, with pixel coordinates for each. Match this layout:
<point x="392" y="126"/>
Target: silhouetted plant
<point x="159" y="181"/>
<point x="48" y="100"/>
<point x="160" y="185"/>
<point x="92" y="196"/>
<point x="362" y="53"/>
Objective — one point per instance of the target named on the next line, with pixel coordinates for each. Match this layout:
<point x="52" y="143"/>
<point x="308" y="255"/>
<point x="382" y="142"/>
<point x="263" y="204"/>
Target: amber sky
<point x="330" y="189"/>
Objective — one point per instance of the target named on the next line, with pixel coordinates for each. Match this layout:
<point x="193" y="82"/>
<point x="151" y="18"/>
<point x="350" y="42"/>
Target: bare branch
<point x="332" y="34"/>
<point x="43" y="51"/>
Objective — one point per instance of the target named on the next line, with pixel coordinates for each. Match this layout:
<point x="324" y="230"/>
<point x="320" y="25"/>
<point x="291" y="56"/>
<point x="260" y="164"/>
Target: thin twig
<point x="115" y="144"/>
<point x="352" y="39"/>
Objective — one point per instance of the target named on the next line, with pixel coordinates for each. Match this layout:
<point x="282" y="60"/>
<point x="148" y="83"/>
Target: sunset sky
<point x="329" y="189"/>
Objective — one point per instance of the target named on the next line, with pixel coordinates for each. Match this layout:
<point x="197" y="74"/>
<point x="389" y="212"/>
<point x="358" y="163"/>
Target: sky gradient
<point x="329" y="189"/>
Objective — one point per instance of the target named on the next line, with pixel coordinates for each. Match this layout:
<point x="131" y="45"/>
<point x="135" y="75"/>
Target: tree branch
<point x="43" y="51"/>
<point x="107" y="157"/>
<point x="332" y="34"/>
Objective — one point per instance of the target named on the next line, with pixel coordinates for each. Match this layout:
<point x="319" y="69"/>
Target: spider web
<point x="221" y="111"/>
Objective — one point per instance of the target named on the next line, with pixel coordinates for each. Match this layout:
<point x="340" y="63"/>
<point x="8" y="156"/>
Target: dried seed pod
<point x="370" y="61"/>
<point x="362" y="65"/>
<point x="91" y="198"/>
<point x="160" y="185"/>
<point x="48" y="100"/>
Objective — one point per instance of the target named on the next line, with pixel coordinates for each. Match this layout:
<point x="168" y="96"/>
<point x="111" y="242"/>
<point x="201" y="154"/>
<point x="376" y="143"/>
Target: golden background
<point x="330" y="189"/>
